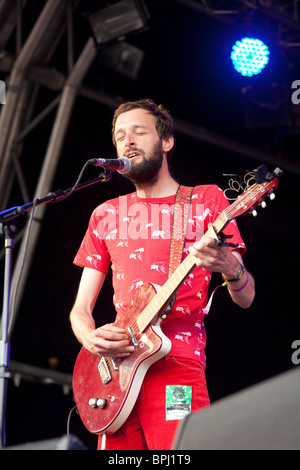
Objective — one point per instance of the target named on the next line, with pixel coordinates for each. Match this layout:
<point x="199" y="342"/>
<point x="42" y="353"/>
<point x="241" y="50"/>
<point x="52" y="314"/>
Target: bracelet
<point x="241" y="288"/>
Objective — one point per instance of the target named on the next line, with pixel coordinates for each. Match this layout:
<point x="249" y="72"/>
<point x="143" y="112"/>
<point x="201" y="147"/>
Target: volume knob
<point x="93" y="402"/>
<point x="101" y="403"/>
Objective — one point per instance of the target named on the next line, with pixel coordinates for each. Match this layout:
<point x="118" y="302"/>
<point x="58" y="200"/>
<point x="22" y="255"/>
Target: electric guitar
<point x="106" y="388"/>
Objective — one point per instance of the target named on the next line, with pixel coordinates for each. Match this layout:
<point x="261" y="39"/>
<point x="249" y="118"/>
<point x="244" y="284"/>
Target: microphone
<point x="122" y="165"/>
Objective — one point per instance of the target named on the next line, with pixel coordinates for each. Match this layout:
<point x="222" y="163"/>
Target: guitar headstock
<point x="259" y="185"/>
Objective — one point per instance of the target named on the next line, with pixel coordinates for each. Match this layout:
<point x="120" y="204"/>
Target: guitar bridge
<point x="104" y="371"/>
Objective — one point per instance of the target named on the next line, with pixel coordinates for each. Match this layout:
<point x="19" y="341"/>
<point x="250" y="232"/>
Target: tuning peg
<point x="272" y="196"/>
<point x="254" y="213"/>
<point x="263" y="204"/>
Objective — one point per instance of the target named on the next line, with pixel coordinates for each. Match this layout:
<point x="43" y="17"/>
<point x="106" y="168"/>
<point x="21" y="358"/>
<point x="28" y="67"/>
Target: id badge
<point x="178" y="401"/>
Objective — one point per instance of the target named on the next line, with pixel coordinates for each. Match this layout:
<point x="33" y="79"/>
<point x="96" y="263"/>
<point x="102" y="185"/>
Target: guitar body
<point x="96" y="377"/>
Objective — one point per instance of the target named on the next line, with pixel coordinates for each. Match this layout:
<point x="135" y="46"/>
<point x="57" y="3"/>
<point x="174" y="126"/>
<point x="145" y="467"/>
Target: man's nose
<point x="129" y="141"/>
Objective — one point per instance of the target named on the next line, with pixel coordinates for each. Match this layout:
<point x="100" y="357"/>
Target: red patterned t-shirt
<point x="133" y="235"/>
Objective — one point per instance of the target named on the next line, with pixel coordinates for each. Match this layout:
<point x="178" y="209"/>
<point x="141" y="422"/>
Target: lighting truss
<point x="283" y="16"/>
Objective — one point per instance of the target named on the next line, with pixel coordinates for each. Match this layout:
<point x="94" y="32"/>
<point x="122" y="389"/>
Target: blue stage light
<point x="249" y="56"/>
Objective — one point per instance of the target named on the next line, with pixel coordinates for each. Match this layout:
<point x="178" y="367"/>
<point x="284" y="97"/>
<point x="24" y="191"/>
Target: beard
<point x="146" y="171"/>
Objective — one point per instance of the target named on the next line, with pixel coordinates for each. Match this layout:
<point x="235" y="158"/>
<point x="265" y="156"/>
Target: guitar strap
<point x="179" y="227"/>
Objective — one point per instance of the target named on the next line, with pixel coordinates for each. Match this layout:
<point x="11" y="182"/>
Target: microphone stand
<point x="8" y="231"/>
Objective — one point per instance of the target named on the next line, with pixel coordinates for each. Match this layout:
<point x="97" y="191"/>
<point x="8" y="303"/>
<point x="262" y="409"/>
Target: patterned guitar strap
<point x="179" y="228"/>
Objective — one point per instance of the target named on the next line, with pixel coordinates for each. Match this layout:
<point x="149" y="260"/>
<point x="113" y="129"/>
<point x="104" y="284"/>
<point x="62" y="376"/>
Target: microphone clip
<point x="106" y="175"/>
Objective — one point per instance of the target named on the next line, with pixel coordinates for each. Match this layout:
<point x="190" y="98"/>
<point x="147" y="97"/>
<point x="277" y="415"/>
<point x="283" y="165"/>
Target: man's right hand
<point x="109" y="340"/>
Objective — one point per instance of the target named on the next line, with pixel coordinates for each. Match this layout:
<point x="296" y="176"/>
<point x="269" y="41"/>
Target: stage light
<point x="123" y="58"/>
<point x="249" y="56"/>
<point x="118" y="20"/>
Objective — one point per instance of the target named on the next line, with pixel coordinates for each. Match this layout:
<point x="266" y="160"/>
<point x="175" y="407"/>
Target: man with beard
<point x="128" y="233"/>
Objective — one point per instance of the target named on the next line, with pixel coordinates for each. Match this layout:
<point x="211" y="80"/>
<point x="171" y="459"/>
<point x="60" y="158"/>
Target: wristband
<point x="241" y="288"/>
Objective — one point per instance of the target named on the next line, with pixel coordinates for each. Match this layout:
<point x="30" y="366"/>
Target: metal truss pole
<point x="48" y="171"/>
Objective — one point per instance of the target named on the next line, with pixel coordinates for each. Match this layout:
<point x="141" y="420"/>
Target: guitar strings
<point x="166" y="292"/>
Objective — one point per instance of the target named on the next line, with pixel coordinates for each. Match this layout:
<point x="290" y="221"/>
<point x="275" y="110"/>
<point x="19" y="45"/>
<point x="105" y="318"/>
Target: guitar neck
<point x="166" y="292"/>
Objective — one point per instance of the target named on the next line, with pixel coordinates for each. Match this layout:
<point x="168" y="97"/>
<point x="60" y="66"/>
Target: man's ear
<point x="168" y="144"/>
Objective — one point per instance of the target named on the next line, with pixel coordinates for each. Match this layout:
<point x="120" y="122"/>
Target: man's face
<point x="137" y="139"/>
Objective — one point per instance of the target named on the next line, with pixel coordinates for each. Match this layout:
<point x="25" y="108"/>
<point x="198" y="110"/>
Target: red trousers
<point x="150" y="426"/>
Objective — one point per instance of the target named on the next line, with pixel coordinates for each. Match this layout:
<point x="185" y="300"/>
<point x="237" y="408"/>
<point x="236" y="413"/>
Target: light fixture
<point x="123" y="58"/>
<point x="249" y="56"/>
<point x="118" y="20"/>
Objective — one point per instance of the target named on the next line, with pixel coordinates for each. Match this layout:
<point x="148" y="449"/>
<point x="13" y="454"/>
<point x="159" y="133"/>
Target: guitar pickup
<point x="104" y="371"/>
<point x="133" y="338"/>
